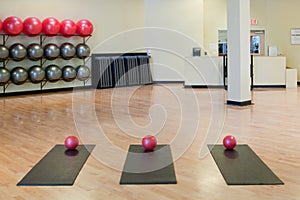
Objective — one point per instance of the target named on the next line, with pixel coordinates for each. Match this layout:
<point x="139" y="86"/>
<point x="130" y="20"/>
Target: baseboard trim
<point x="204" y="86"/>
<point x="168" y="82"/>
<point x="239" y="103"/>
<point x="50" y="90"/>
<point x="269" y="86"/>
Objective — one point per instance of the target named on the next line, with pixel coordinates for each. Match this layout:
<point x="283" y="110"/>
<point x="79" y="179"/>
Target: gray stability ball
<point x="83" y="51"/>
<point x="4" y="53"/>
<point x="18" y="75"/>
<point x="83" y="72"/>
<point x="51" y="51"/>
<point x="36" y="74"/>
<point x="35" y="51"/>
<point x="17" y="52"/>
<point x="67" y="51"/>
<point x="4" y="75"/>
<point x="69" y="73"/>
<point x="53" y="73"/>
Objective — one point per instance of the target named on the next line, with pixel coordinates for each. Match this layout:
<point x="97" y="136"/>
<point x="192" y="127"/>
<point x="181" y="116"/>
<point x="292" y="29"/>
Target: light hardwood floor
<point x="31" y="125"/>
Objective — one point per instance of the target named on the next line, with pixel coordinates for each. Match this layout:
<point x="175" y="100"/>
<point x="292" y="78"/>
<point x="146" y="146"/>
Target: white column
<point x="238" y="25"/>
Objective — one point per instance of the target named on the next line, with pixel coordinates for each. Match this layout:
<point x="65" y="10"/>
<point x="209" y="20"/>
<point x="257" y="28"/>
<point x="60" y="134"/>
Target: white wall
<point x="119" y="26"/>
<point x="109" y="17"/>
<point x="215" y="18"/>
<point x="116" y="21"/>
<point x="177" y="27"/>
<point x="277" y="17"/>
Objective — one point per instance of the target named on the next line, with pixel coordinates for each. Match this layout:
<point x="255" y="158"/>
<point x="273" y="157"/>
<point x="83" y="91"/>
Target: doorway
<point x="257" y="42"/>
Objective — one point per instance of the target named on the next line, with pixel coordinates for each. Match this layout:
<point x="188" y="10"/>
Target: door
<point x="257" y="42"/>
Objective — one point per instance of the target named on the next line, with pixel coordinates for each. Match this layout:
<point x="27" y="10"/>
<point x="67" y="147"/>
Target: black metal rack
<point x="119" y="70"/>
<point x="42" y="61"/>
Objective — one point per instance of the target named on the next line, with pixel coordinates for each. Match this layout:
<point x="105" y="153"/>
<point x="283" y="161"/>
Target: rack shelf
<point x="10" y="88"/>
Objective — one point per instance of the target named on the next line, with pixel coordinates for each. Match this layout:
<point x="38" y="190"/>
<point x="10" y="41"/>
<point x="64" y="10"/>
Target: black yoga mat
<point x="148" y="167"/>
<point x="59" y="167"/>
<point x="241" y="166"/>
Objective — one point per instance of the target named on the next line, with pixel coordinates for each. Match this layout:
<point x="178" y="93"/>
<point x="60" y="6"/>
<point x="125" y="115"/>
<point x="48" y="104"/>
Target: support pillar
<point x="238" y="35"/>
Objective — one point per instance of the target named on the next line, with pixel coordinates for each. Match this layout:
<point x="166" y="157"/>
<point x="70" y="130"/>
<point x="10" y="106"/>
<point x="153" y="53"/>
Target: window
<point x="257" y="42"/>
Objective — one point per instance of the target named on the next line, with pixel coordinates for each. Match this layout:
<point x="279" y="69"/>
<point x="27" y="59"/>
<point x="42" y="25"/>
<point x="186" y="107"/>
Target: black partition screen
<point x="119" y="70"/>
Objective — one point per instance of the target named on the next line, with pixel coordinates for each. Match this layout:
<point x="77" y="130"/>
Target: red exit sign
<point x="253" y="21"/>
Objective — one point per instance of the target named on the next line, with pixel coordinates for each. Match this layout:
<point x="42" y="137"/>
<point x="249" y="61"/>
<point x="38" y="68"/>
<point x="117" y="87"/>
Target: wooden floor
<point x="114" y="118"/>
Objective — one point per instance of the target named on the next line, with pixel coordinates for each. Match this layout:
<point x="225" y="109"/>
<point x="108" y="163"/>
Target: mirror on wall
<point x="257" y="42"/>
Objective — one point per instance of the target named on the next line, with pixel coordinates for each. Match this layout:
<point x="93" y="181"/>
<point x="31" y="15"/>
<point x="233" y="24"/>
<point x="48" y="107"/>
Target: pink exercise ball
<point x="32" y="26"/>
<point x="84" y="28"/>
<point x="67" y="27"/>
<point x="51" y="26"/>
<point x="12" y="25"/>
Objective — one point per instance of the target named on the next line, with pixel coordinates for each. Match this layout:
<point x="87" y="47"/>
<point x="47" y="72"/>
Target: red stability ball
<point x="51" y="26"/>
<point x="229" y="142"/>
<point x="149" y="142"/>
<point x="32" y="26"/>
<point x="12" y="25"/>
<point x="84" y="28"/>
<point x="67" y="27"/>
<point x="71" y="142"/>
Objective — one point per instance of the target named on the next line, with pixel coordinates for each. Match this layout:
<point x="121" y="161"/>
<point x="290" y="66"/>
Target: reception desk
<point x="269" y="70"/>
<point x="208" y="71"/>
<point x="203" y="71"/>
